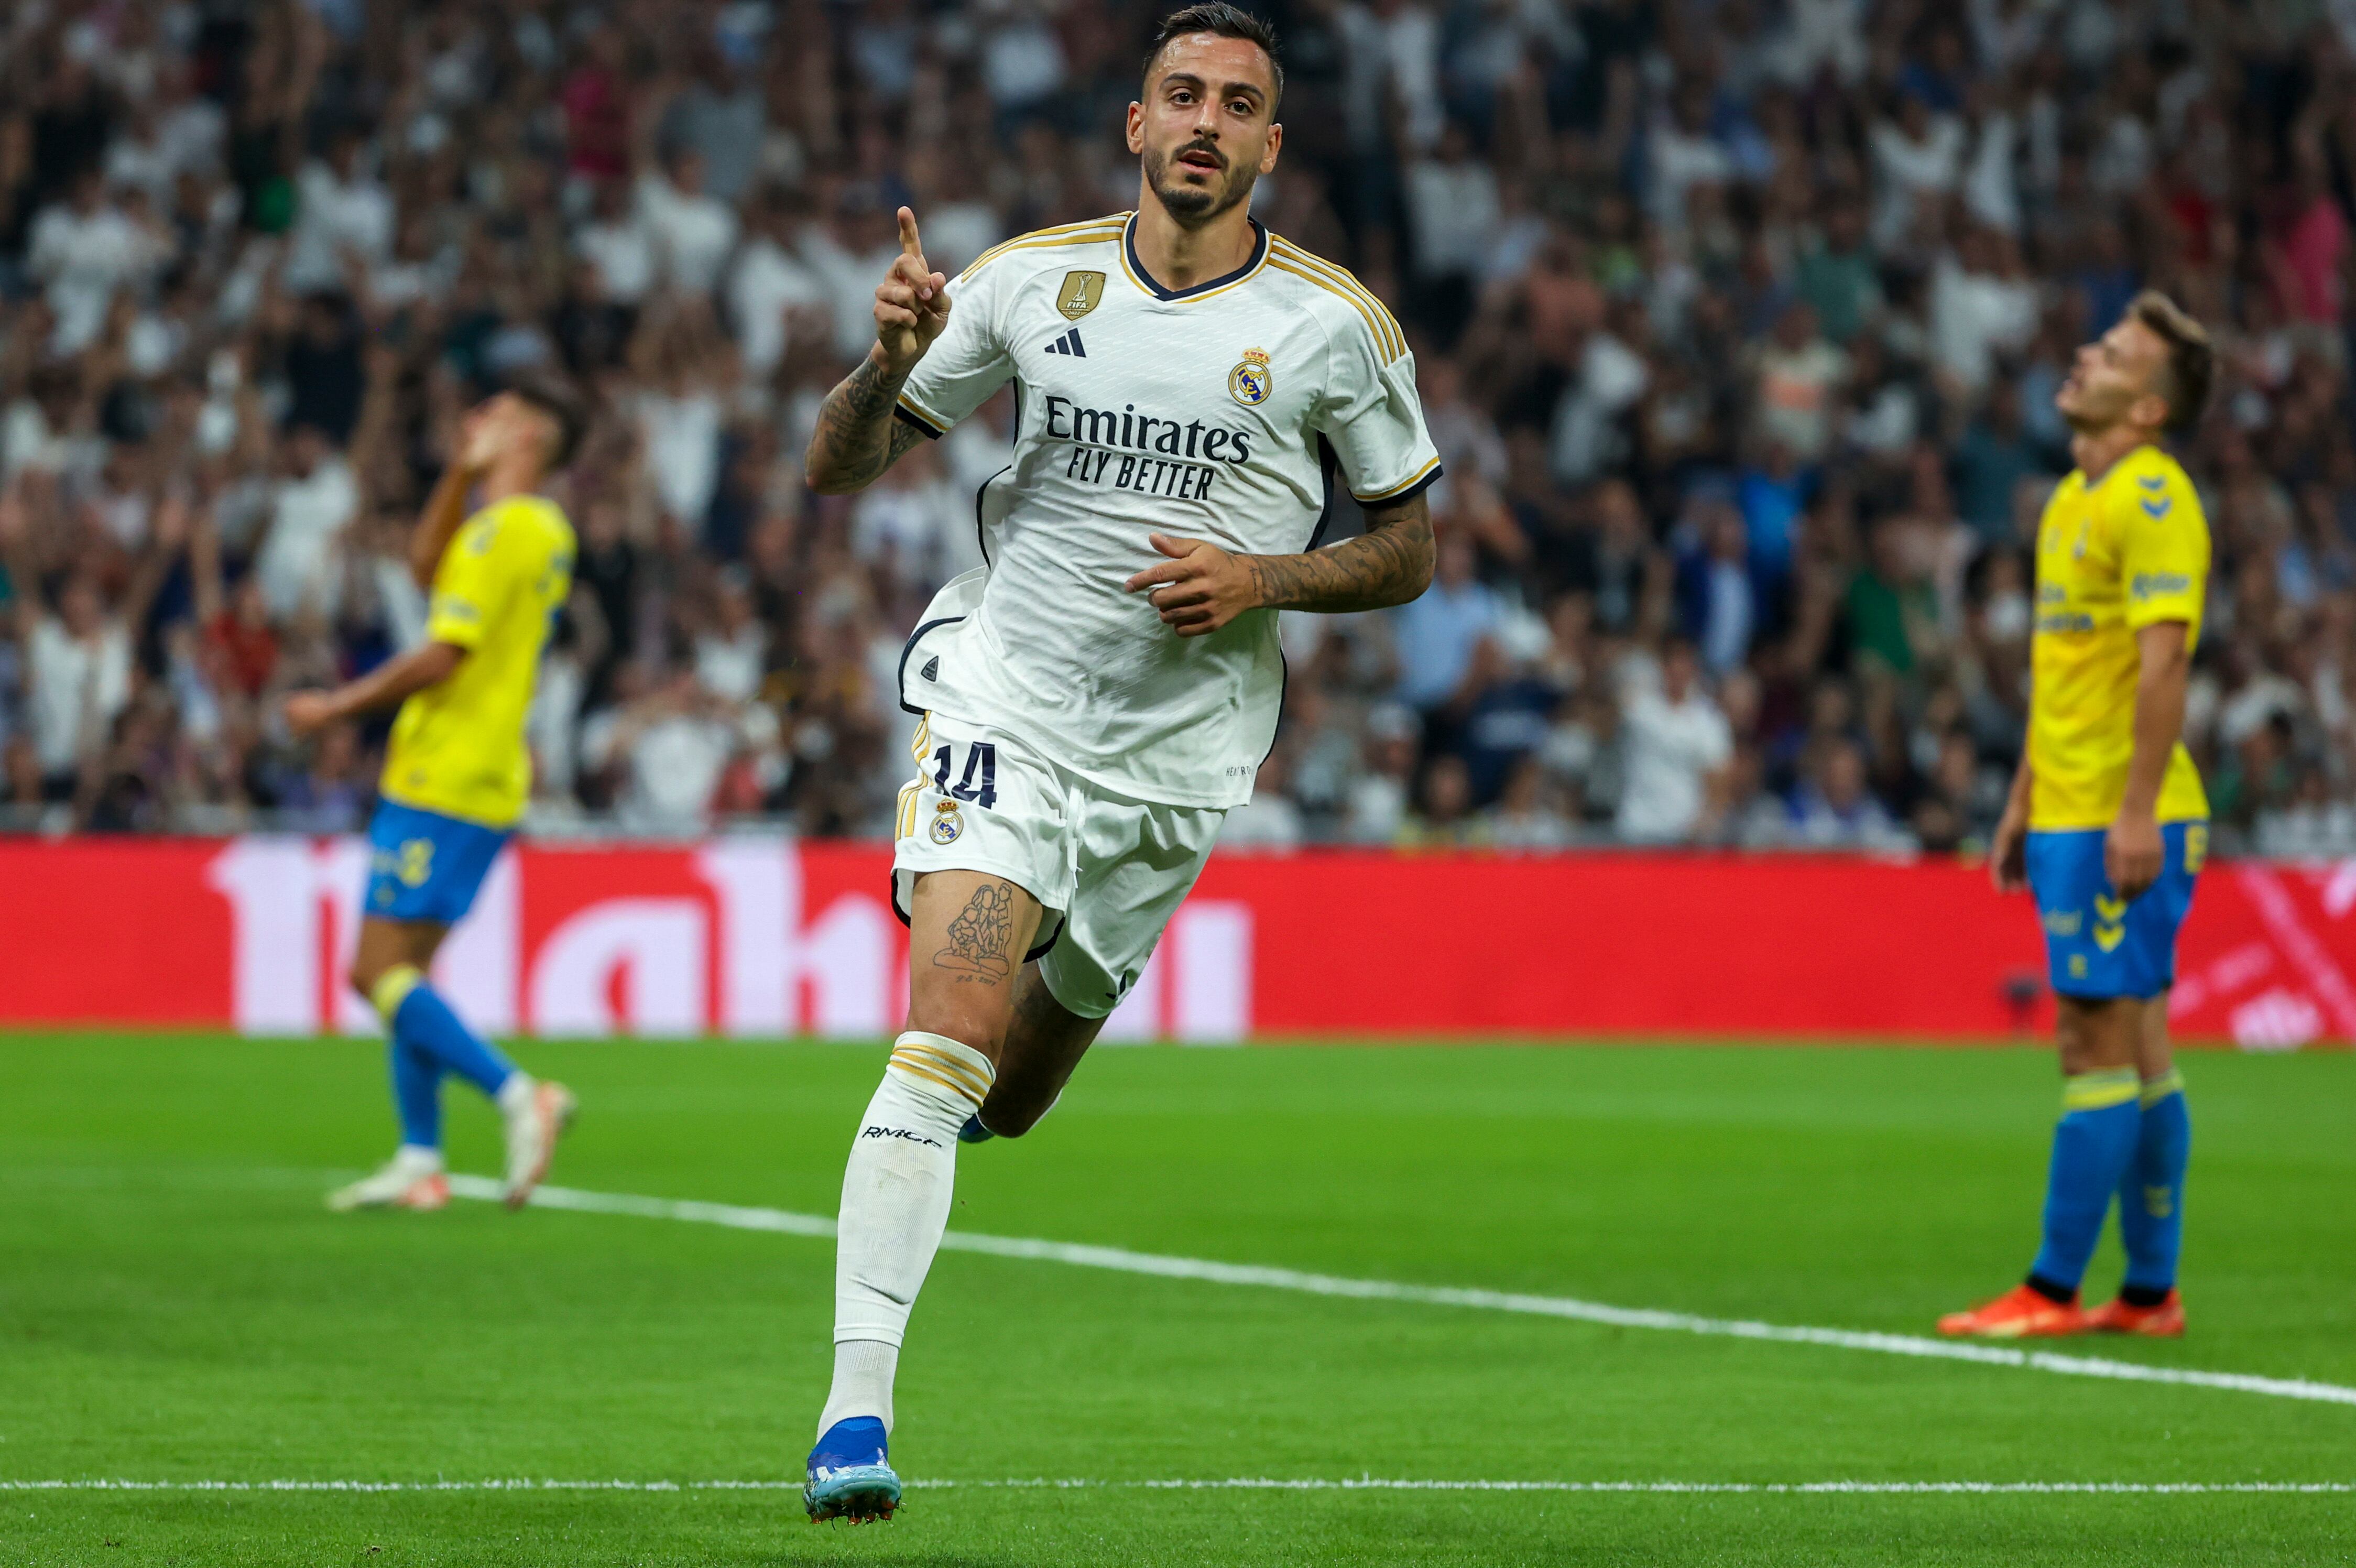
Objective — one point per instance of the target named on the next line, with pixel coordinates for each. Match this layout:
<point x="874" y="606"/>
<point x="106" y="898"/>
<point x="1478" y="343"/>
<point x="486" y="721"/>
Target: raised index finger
<point x="910" y="244"/>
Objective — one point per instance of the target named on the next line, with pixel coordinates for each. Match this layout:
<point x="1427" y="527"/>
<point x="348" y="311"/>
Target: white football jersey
<point x="1221" y="412"/>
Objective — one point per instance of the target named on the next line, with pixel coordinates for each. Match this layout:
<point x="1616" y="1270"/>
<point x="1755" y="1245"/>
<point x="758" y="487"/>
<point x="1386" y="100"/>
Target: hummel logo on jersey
<point x="1069" y="343"/>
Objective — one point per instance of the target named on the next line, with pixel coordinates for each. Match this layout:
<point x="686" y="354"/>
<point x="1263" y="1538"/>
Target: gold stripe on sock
<point x="960" y="1090"/>
<point x="2100" y="1090"/>
<point x="909" y="1053"/>
<point x="2160" y="1088"/>
<point x="961" y="1061"/>
<point x="393" y="989"/>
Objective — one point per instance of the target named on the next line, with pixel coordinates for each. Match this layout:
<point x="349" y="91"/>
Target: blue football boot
<point x="848" y="1477"/>
<point x="973" y="1132"/>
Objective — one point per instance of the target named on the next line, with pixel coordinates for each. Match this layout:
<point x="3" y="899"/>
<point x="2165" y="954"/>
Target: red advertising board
<point x="765" y="937"/>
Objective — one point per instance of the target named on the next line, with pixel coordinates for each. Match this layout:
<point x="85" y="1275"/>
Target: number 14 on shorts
<point x="981" y="758"/>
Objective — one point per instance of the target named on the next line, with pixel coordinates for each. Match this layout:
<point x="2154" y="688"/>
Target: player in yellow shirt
<point x="456" y="776"/>
<point x="2107" y="823"/>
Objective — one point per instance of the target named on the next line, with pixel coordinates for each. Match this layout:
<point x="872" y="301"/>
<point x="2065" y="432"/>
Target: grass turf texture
<point x="174" y="1304"/>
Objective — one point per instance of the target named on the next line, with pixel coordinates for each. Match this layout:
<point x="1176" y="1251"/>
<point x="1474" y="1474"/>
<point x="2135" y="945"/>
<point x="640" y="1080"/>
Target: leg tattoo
<point x="979" y="938"/>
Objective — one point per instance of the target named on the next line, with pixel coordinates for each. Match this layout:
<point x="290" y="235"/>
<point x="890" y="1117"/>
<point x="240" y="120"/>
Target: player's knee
<point x="981" y="1027"/>
<point x="363" y="976"/>
<point x="2096" y="1033"/>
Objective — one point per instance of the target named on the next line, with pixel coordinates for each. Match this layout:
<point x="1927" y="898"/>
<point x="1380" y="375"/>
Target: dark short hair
<point x="564" y="406"/>
<point x="1225" y="20"/>
<point x="2191" y="360"/>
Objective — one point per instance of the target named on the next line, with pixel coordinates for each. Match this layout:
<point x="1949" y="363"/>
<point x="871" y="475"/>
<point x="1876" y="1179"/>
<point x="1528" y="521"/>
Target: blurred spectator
<point x="691" y="231"/>
<point x="1524" y="818"/>
<point x="667" y="750"/>
<point x="1717" y="602"/>
<point x="1833" y="808"/>
<point x="1799" y="378"/>
<point x="1837" y="277"/>
<point x="1678" y="747"/>
<point x="1992" y="460"/>
<point x="296" y="561"/>
<point x="1439" y="633"/>
<point x="1443" y="816"/>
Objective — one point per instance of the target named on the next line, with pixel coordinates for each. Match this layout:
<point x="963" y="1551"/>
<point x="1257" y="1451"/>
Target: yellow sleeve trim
<point x="1388" y="337"/>
<point x="933" y="422"/>
<point x="1407" y="484"/>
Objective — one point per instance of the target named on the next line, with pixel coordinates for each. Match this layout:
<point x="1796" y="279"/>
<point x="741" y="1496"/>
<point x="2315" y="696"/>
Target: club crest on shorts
<point x="1081" y="293"/>
<point x="1251" y="380"/>
<point x="947" y="822"/>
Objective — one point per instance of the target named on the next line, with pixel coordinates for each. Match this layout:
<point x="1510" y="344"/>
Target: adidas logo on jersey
<point x="1069" y="343"/>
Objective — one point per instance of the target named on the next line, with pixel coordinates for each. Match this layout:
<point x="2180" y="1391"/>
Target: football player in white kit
<point x="1188" y="386"/>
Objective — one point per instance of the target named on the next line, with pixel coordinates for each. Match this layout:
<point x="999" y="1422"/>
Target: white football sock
<point x="515" y="1095"/>
<point x="863" y="1370"/>
<point x="895" y="1204"/>
<point x="417" y="1160"/>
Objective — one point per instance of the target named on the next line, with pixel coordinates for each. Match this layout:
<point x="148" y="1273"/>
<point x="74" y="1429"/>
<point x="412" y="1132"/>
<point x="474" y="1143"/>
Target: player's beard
<point x="1190" y="205"/>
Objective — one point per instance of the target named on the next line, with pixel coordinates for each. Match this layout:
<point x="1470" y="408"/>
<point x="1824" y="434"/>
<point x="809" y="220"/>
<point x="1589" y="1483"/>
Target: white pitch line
<point x="1251" y="1484"/>
<point x="1123" y="1261"/>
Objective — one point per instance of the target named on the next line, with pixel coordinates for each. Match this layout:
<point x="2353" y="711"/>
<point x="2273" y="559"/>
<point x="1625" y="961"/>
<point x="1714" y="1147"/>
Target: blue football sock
<point x="417" y="1094"/>
<point x="2094" y="1145"/>
<point x="420" y="1019"/>
<point x="2151" y="1195"/>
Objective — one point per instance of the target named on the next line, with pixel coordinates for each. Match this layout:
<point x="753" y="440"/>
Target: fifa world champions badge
<point x="1251" y="380"/>
<point x="1081" y="293"/>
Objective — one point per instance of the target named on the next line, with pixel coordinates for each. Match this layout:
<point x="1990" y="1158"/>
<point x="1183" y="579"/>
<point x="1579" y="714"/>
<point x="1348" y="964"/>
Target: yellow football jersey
<point x="2128" y="551"/>
<point x="458" y="747"/>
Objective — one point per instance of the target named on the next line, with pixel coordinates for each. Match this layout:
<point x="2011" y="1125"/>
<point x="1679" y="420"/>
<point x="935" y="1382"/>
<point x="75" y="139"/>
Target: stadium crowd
<point x="1738" y="324"/>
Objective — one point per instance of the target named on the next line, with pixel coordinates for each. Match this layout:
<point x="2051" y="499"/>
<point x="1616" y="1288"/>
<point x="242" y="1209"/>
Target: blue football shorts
<point x="2097" y="946"/>
<point x="424" y="866"/>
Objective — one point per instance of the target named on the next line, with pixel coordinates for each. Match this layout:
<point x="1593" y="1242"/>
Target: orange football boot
<point x="2019" y="1312"/>
<point x="2163" y="1321"/>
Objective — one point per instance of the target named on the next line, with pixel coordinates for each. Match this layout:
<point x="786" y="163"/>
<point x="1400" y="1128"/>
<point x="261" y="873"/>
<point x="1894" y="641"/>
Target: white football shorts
<point x="1110" y="871"/>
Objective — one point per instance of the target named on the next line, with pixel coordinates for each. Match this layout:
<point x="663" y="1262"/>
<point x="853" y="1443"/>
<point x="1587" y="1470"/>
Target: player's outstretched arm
<point x="857" y="437"/>
<point x="1203" y="587"/>
<point x="394" y="681"/>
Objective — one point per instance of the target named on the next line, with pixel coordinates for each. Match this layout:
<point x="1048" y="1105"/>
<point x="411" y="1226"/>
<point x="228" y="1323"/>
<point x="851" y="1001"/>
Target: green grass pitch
<point x="176" y="1306"/>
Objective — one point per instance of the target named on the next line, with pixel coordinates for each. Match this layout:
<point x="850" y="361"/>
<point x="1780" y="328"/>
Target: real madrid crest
<point x="947" y="822"/>
<point x="1081" y="293"/>
<point x="1251" y="380"/>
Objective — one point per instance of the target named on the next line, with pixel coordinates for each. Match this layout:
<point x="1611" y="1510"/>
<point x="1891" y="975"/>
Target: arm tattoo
<point x="1387" y="564"/>
<point x="858" y="436"/>
<point x="979" y="938"/>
